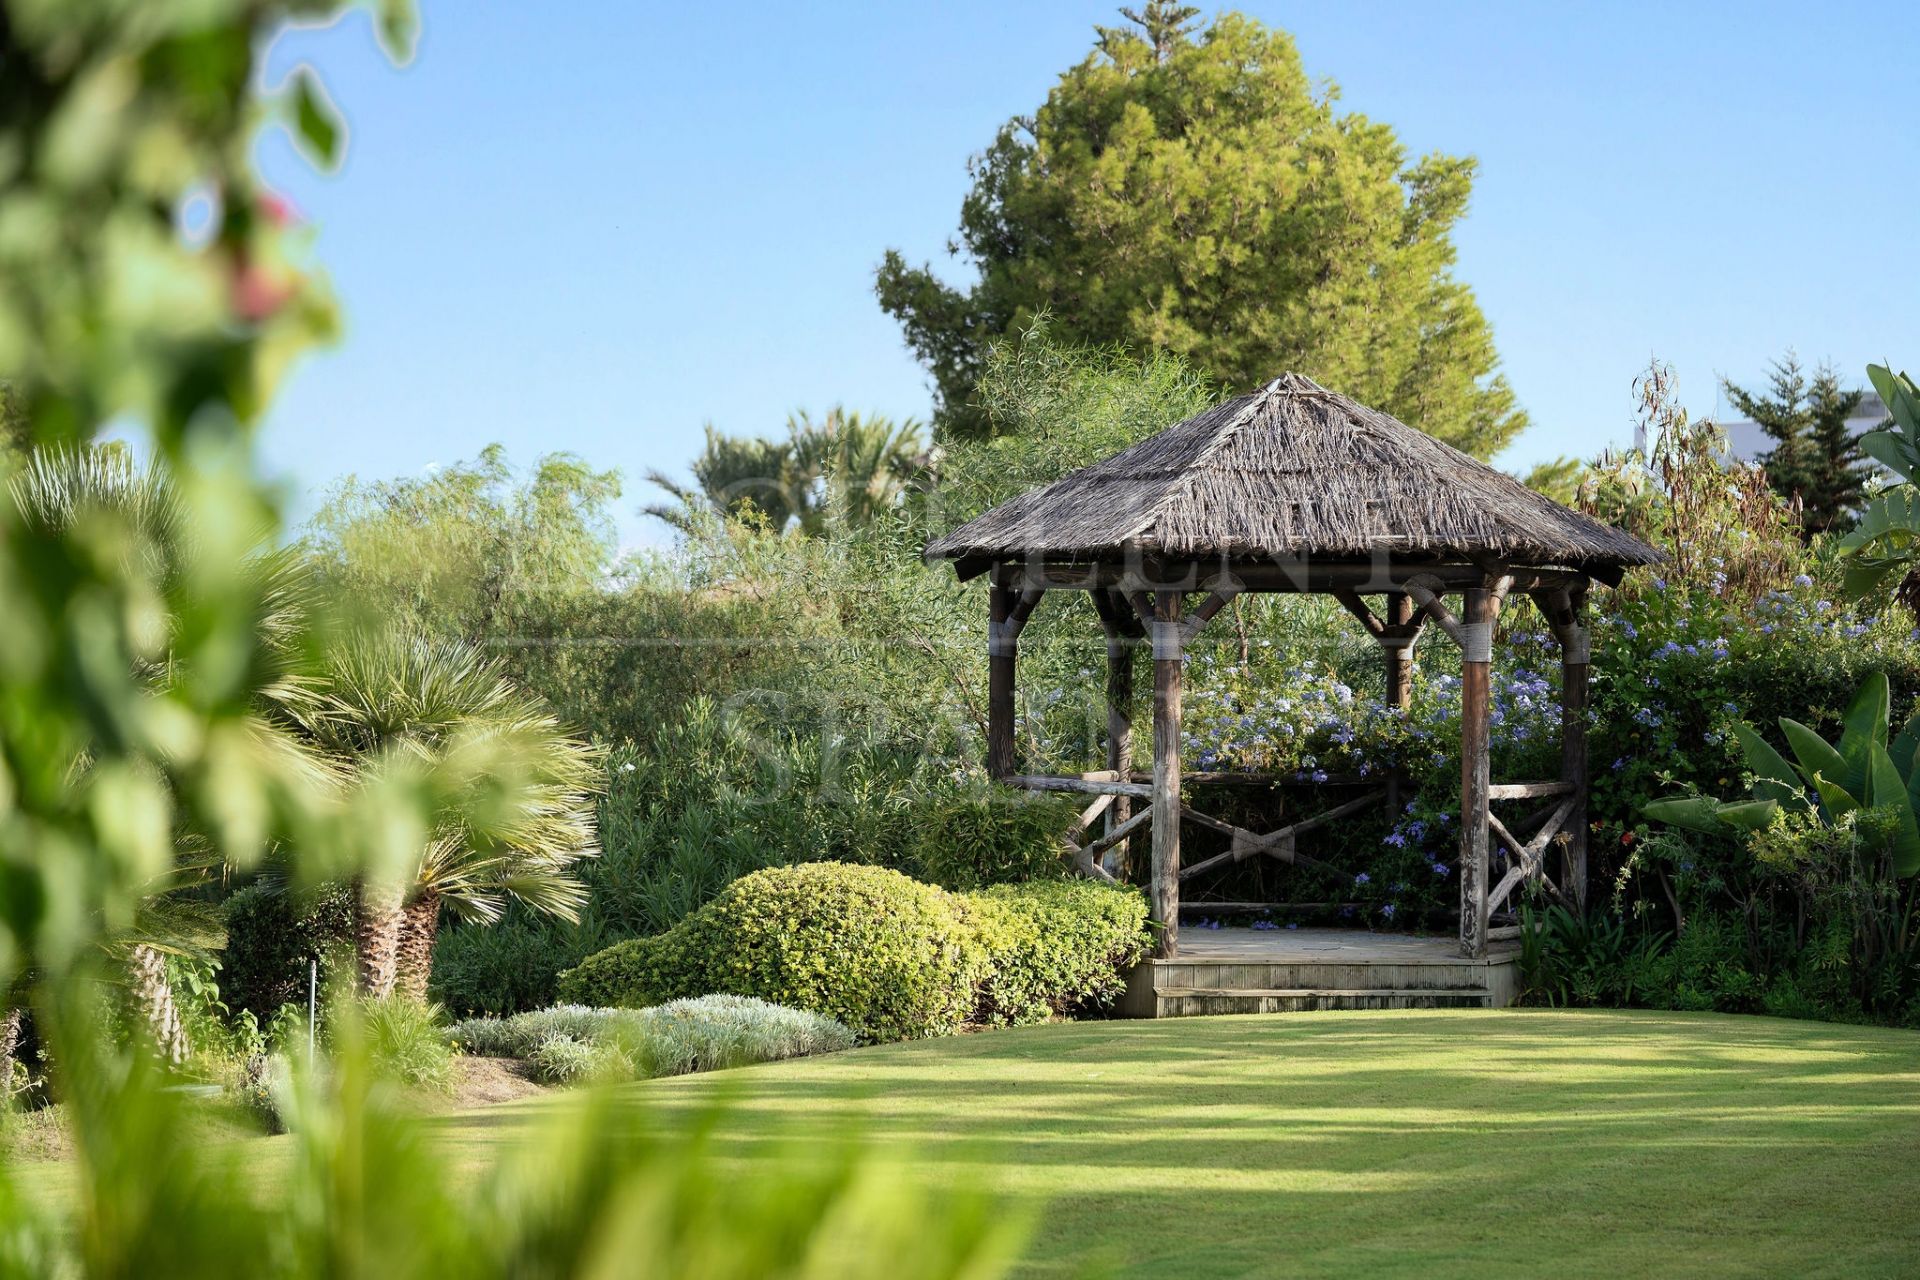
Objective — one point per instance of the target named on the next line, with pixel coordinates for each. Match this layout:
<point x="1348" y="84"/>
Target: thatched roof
<point x="1291" y="470"/>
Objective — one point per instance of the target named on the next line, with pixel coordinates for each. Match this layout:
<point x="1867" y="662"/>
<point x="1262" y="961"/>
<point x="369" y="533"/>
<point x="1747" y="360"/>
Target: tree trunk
<point x="153" y="1001"/>
<point x="377" y="915"/>
<point x="419" y="927"/>
<point x="9" y="1050"/>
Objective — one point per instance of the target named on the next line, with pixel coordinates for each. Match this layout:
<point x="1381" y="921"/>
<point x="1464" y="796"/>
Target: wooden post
<point x="1166" y="772"/>
<point x="1001" y="648"/>
<point x="1119" y="741"/>
<point x="1575" y="662"/>
<point x="1399" y="668"/>
<point x="1476" y="661"/>
<point x="1399" y="676"/>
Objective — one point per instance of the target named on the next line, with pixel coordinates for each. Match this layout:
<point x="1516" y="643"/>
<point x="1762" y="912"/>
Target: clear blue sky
<point x="595" y="227"/>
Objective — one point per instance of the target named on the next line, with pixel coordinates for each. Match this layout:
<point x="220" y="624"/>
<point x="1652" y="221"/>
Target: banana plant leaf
<point x="1774" y="778"/>
<point x="1694" y="813"/>
<point x="1903" y="747"/>
<point x="1886" y="790"/>
<point x="1865" y="728"/>
<point x="1815" y="754"/>
<point x="1834" y="798"/>
<point x="1891" y="448"/>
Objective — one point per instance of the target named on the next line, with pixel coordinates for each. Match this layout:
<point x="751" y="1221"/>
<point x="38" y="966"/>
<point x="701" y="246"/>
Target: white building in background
<point x="1746" y="441"/>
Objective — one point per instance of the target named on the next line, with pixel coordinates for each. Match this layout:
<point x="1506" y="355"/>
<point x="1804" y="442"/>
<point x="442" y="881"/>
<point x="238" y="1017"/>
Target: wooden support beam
<point x="1120" y="647"/>
<point x="1530" y="856"/>
<point x="1196" y="622"/>
<point x="1085" y="858"/>
<point x="1266" y="574"/>
<point x="1277" y="844"/>
<point x="1526" y="790"/>
<point x="1476" y="647"/>
<point x="1078" y="786"/>
<point x="1431" y="605"/>
<point x="1350" y="601"/>
<point x="1167" y="636"/>
<point x="1101" y="804"/>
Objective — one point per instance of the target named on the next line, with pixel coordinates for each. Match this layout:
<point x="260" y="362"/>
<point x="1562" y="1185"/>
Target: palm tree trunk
<point x="153" y="1001"/>
<point x="9" y="1049"/>
<point x="377" y="916"/>
<point x="419" y="926"/>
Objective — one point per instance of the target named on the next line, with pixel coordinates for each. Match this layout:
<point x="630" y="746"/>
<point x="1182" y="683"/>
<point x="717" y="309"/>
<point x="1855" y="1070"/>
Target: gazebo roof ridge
<point x="1293" y="469"/>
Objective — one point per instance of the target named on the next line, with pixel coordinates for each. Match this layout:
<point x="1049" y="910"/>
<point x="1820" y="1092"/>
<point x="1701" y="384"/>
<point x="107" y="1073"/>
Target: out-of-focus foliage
<point x="133" y="670"/>
<point x="1195" y="192"/>
<point x="597" y="1189"/>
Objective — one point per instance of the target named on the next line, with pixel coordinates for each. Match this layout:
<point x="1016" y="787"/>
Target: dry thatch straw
<point x="1292" y="470"/>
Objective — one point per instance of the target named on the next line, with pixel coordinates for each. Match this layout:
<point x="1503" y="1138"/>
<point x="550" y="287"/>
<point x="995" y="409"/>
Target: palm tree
<point x="856" y="464"/>
<point x="404" y="697"/>
<point x="55" y="488"/>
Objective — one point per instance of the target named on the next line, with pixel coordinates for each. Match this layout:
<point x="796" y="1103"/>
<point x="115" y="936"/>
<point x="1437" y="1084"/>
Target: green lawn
<point x="1428" y="1144"/>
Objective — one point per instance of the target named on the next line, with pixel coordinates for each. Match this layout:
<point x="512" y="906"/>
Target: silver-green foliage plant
<point x="1824" y="781"/>
<point x="570" y="1043"/>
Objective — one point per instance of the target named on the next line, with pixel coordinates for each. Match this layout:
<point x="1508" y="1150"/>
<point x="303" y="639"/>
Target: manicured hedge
<point x="889" y="957"/>
<point x="1056" y="946"/>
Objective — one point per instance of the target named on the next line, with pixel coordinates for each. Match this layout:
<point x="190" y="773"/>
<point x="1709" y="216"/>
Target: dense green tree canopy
<point x="1194" y="193"/>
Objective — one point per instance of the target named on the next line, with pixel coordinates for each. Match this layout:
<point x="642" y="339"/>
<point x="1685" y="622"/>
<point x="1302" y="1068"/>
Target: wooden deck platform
<point x="1290" y="970"/>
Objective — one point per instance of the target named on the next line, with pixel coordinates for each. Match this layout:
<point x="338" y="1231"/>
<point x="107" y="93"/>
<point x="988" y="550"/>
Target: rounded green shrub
<point x="1055" y="946"/>
<point x="891" y="958"/>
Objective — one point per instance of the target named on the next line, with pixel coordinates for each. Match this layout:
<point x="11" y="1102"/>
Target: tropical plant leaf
<point x="1886" y="791"/>
<point x="1834" y="798"/>
<point x="1865" y="728"/>
<point x="1749" y="815"/>
<point x="1815" y="754"/>
<point x="1763" y="760"/>
<point x="1903" y="747"/>
<point x="1693" y="813"/>
<point x="1891" y="448"/>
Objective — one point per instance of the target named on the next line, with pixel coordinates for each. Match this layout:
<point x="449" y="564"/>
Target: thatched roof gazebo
<point x="1297" y="488"/>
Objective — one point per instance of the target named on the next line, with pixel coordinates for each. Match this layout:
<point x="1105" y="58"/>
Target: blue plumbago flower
<point x="1442" y="869"/>
<point x="1731" y="708"/>
<point x="1319" y="775"/>
<point x="1265" y="924"/>
<point x="1293" y="924"/>
<point x="1395" y="839"/>
<point x="1398" y="886"/>
<point x="1387" y="911"/>
<point x="1619" y="763"/>
<point x="1802" y="580"/>
<point x="1659" y="584"/>
<point x="1363" y="878"/>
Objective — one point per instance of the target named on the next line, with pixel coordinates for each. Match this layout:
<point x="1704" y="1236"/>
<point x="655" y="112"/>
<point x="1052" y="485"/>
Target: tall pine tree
<point x="1837" y="476"/>
<point x="1814" y="458"/>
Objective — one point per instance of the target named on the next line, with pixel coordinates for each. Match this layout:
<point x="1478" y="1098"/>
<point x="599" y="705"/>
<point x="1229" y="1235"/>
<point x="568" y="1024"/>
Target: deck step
<point x="1182" y="1002"/>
